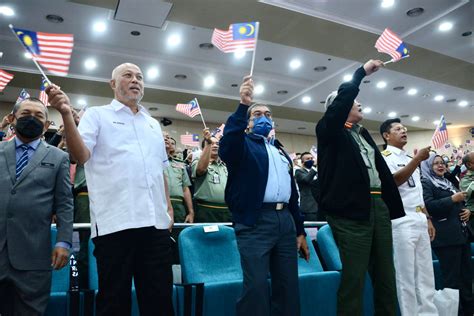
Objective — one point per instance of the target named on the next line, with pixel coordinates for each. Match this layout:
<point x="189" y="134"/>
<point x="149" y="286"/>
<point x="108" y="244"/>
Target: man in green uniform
<point x="178" y="184"/>
<point x="210" y="179"/>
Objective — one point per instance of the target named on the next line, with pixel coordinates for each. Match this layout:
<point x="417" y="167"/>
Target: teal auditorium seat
<point x="58" y="302"/>
<point x="330" y="255"/>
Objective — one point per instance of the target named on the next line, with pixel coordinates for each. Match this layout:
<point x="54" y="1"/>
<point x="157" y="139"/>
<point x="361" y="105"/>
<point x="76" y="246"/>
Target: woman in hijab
<point x="451" y="245"/>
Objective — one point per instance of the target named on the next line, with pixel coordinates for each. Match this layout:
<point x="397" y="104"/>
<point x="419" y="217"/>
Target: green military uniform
<point x="178" y="179"/>
<point x="209" y="193"/>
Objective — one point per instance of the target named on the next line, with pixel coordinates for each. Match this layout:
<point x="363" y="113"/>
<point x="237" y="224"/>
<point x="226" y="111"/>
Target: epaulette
<point x="386" y="152"/>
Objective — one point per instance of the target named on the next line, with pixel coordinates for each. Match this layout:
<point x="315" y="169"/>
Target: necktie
<point x="23" y="161"/>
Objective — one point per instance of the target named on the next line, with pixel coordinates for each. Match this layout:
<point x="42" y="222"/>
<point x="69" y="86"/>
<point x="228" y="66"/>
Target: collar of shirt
<point x="395" y="150"/>
<point x="353" y="127"/>
<point x="117" y="105"/>
<point x="33" y="145"/>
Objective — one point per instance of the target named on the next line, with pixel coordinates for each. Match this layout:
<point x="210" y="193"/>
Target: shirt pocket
<point x="45" y="175"/>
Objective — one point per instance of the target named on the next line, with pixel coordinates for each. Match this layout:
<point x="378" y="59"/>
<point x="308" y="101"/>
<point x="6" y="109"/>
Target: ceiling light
<point x="320" y="68"/>
<point x="234" y="85"/>
<point x="81" y="102"/>
<point x="462" y="103"/>
<point x="381" y="84"/>
<point x="152" y="73"/>
<point x="6" y="11"/>
<point x="366" y="110"/>
<point x="90" y="64"/>
<point x="438" y="97"/>
<point x="445" y="26"/>
<point x="392" y="114"/>
<point x="306" y="99"/>
<point x="415" y="12"/>
<point x="174" y="40"/>
<point x="180" y="76"/>
<point x="347" y="78"/>
<point x="387" y="3"/>
<point x="398" y="88"/>
<point x="99" y="27"/>
<point x="415" y="118"/>
<point x="209" y="81"/>
<point x="412" y="91"/>
<point x="259" y="89"/>
<point x="239" y="54"/>
<point x="282" y="92"/>
<point x="436" y="122"/>
<point x="295" y="64"/>
<point x="206" y="46"/>
<point x="468" y="33"/>
<point x="53" y="18"/>
<point x="267" y="58"/>
<point x="135" y="33"/>
<point x="28" y="55"/>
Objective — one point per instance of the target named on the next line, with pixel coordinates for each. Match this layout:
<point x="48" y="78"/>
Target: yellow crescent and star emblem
<point x="244" y="30"/>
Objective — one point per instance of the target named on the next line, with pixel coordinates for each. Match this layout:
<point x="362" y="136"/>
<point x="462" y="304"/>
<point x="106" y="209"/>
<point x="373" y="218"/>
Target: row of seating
<point x="212" y="259"/>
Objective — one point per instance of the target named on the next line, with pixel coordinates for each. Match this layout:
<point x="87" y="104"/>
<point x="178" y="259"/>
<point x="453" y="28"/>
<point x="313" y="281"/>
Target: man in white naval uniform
<point x="413" y="232"/>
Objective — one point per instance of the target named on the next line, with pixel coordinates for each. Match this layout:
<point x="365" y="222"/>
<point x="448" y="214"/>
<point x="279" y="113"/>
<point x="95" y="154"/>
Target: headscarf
<point x="428" y="173"/>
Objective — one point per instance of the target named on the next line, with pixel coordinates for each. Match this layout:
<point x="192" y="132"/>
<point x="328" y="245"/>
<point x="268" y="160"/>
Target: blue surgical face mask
<point x="262" y="125"/>
<point x="309" y="164"/>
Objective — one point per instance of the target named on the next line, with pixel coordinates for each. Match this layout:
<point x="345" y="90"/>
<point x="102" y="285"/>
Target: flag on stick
<point x="22" y="96"/>
<point x="43" y="96"/>
<point x="5" y="78"/>
<point x="190" y="109"/>
<point x="440" y="135"/>
<point x="219" y="131"/>
<point x="390" y="43"/>
<point x="239" y="37"/>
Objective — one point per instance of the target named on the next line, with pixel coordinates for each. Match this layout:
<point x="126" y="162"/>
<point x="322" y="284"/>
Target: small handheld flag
<point x="390" y="43"/>
<point x="191" y="140"/>
<point x="22" y="96"/>
<point x="440" y="135"/>
<point x="43" y="96"/>
<point x="190" y="109"/>
<point x="5" y="78"/>
<point x="219" y="131"/>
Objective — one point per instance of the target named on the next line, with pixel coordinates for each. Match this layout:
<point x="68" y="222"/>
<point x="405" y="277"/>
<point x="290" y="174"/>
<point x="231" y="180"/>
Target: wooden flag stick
<point x="392" y="61"/>
<point x="32" y="57"/>
<point x="257" y="26"/>
<point x="200" y="113"/>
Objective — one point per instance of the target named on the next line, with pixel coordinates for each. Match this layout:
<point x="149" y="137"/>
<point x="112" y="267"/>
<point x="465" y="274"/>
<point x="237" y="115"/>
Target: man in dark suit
<point x="307" y="177"/>
<point x="360" y="197"/>
<point x="34" y="185"/>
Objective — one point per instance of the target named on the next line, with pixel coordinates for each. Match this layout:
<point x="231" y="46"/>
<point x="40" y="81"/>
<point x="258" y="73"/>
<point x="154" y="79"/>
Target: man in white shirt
<point x="124" y="156"/>
<point x="411" y="233"/>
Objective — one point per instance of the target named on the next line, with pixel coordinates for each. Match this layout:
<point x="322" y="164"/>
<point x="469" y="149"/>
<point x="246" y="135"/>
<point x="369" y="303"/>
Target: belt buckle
<point x="279" y="206"/>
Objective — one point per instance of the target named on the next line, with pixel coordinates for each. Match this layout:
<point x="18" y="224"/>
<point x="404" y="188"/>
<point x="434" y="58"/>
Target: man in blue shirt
<point x="262" y="196"/>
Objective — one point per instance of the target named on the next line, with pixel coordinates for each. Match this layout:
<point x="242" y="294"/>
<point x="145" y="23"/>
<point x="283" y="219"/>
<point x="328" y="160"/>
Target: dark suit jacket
<point x="445" y="215"/>
<point x="305" y="180"/>
<point x="343" y="177"/>
<point x="28" y="203"/>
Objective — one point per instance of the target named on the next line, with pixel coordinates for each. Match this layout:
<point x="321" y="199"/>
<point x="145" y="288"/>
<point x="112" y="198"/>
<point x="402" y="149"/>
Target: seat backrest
<point x="328" y="248"/>
<point x="93" y="276"/>
<point x="209" y="256"/>
<point x="314" y="264"/>
<point x="60" y="278"/>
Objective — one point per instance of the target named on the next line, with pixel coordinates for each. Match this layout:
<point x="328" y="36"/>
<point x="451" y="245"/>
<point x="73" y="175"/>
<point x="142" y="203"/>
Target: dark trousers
<point x="366" y="245"/>
<point x="455" y="264"/>
<point x="269" y="246"/>
<point x="82" y="215"/>
<point x="145" y="255"/>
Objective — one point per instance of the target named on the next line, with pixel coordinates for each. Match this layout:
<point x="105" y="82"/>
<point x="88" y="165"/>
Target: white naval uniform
<point x="411" y="243"/>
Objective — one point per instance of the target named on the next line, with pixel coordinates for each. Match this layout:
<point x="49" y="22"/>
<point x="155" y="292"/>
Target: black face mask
<point x="29" y="127"/>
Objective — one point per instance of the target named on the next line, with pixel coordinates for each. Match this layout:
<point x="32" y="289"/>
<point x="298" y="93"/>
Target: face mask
<point x="309" y="163"/>
<point x="262" y="126"/>
<point x="29" y="127"/>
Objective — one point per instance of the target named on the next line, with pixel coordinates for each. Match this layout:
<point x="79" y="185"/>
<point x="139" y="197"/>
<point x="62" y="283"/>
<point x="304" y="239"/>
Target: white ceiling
<point x="116" y="46"/>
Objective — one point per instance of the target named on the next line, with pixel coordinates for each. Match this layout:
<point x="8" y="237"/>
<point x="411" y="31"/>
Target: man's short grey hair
<point x="249" y="110"/>
<point x="115" y="72"/>
<point x="17" y="105"/>
<point x="330" y="99"/>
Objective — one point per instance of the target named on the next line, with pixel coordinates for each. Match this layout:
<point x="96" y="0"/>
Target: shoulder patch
<point x="386" y="152"/>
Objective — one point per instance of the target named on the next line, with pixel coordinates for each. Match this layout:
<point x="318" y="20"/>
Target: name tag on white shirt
<point x="211" y="228"/>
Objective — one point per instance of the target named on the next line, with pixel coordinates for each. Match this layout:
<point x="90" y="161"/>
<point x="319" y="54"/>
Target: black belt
<point x="277" y="206"/>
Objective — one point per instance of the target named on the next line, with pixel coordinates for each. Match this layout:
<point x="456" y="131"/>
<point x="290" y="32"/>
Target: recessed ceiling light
<point x="379" y="112"/>
<point x="135" y="33"/>
<point x="320" y="68"/>
<point x="234" y="85"/>
<point x="28" y="55"/>
<point x="81" y="102"/>
<point x="90" y="64"/>
<point x="392" y="114"/>
<point x="267" y="58"/>
<point x="398" y="88"/>
<point x="206" y="46"/>
<point x="173" y="40"/>
<point x="412" y="91"/>
<point x="301" y="128"/>
<point x="381" y="84"/>
<point x="415" y="118"/>
<point x="415" y="12"/>
<point x="180" y="76"/>
<point x="445" y="26"/>
<point x="152" y="73"/>
<point x="209" y="81"/>
<point x="468" y="33"/>
<point x="322" y="102"/>
<point x="295" y="63"/>
<point x="6" y="11"/>
<point x="450" y="100"/>
<point x="366" y="110"/>
<point x="436" y="122"/>
<point x="259" y="89"/>
<point x="282" y="91"/>
<point x="366" y="81"/>
<point x="347" y="77"/>
<point x="387" y="3"/>
<point x="239" y="54"/>
<point x="152" y="108"/>
<point x="306" y="99"/>
<point x="99" y="27"/>
<point x="404" y="116"/>
<point x="439" y="97"/>
<point x="53" y="18"/>
<point x="462" y="103"/>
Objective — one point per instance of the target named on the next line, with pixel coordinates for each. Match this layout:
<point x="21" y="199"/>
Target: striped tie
<point x="23" y="161"/>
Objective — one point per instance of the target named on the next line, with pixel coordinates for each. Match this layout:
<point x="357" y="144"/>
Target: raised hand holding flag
<point x="390" y="43"/>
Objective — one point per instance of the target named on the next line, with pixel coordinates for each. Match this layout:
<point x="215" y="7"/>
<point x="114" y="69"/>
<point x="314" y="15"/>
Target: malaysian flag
<point x="43" y="96"/>
<point x="218" y="132"/>
<point x="52" y="51"/>
<point x="5" y="78"/>
<point x="440" y="135"/>
<point x="22" y="96"/>
<point x="239" y="37"/>
<point x="191" y="140"/>
<point x="390" y="43"/>
<point x="314" y="151"/>
<point x="190" y="109"/>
